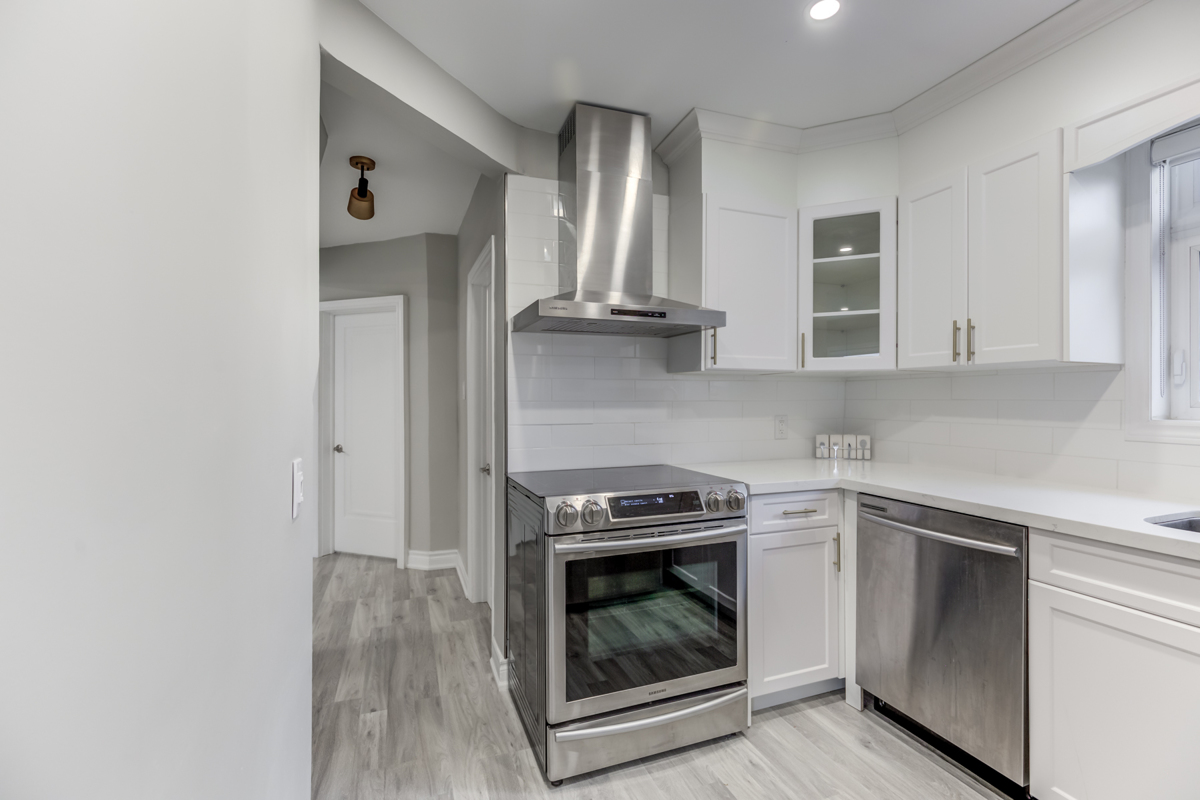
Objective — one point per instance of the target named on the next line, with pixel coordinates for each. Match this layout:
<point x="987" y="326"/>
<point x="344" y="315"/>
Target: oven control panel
<point x="583" y="513"/>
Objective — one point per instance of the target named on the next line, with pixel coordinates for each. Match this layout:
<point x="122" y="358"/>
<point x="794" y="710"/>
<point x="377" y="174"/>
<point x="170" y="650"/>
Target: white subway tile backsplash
<point x="525" y="390"/>
<point x="526" y="202"/>
<point x="528" y="437"/>
<point x="672" y="390"/>
<point x="673" y="431"/>
<point x="935" y="455"/>
<point x="1004" y="386"/>
<point x="632" y="412"/>
<point x="741" y="430"/>
<point x="576" y="389"/>
<point x="590" y="435"/>
<point x="532" y="344"/>
<point x="765" y="449"/>
<point x="532" y="226"/>
<point x="742" y="390"/>
<point x="1084" y="413"/>
<point x="954" y="410"/>
<point x="550" y="458"/>
<point x="1003" y="437"/>
<point x="706" y="410"/>
<point x="800" y="389"/>
<point x="914" y="389"/>
<point x="523" y="248"/>
<point x="534" y="273"/>
<point x="1099" y="473"/>
<point x="1090" y="385"/>
<point x="702" y="452"/>
<point x="631" y="455"/>
<point x="553" y="367"/>
<point x="878" y="409"/>
<point x="861" y="390"/>
<point x="912" y="431"/>
<point x="630" y="368"/>
<point x="578" y="344"/>
<point x="552" y="413"/>
<point x="1160" y="480"/>
<point x="526" y="183"/>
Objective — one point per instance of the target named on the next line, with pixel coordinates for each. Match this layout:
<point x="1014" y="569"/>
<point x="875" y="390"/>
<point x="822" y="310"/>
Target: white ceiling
<point x="762" y="59"/>
<point x="418" y="187"/>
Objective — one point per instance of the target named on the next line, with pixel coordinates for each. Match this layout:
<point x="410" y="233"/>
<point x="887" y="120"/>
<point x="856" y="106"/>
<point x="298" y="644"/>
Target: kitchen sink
<point x="1184" y="522"/>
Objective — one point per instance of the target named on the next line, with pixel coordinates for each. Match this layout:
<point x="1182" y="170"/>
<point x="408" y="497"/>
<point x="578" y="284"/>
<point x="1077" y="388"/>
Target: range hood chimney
<point x="605" y="229"/>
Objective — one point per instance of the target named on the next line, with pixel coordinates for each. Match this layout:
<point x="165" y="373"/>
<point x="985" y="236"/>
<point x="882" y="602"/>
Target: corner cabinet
<point x="848" y="286"/>
<point x="983" y="271"/>
<point x="749" y="272"/>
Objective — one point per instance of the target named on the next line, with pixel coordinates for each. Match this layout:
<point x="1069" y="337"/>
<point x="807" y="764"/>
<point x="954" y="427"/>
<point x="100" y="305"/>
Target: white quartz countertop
<point x="1106" y="516"/>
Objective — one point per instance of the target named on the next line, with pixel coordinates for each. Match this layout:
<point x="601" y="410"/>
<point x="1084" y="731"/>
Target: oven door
<point x="637" y="619"/>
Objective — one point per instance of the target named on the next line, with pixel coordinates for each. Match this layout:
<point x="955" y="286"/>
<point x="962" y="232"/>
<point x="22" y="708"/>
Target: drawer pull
<point x="802" y="511"/>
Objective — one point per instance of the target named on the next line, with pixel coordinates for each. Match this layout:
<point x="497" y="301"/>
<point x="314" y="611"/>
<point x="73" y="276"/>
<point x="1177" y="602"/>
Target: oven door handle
<point x="643" y="542"/>
<point x="650" y="722"/>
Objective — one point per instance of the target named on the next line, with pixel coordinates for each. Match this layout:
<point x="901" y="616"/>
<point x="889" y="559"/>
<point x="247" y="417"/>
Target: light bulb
<point x="846" y="249"/>
<point x="824" y="9"/>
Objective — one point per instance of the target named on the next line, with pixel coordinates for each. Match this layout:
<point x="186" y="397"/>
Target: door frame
<point x="480" y="402"/>
<point x="328" y="310"/>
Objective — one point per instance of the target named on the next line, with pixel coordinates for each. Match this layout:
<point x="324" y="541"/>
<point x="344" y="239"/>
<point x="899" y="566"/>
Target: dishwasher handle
<point x="975" y="544"/>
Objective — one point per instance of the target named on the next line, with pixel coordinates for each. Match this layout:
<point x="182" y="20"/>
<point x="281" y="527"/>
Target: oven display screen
<point x="654" y="505"/>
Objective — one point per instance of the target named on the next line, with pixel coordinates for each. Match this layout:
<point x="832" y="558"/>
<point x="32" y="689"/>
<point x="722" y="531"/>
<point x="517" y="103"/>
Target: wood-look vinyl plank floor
<point x="404" y="706"/>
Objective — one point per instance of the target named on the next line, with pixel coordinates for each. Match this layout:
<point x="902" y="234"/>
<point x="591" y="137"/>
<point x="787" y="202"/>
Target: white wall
<point x="158" y="312"/>
<point x="579" y="401"/>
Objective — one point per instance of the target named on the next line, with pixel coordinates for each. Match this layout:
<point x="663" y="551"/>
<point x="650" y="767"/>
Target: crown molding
<point x="850" y="131"/>
<point x="715" y="126"/>
<point x="1044" y="39"/>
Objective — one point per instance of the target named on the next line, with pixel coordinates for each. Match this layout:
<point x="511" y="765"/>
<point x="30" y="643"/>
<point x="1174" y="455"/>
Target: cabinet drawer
<point x="793" y="511"/>
<point x="1157" y="584"/>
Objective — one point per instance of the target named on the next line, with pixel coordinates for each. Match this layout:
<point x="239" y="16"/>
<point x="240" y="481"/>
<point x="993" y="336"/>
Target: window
<point x="1175" y="390"/>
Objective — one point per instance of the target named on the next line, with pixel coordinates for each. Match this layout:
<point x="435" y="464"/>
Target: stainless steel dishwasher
<point x="941" y="625"/>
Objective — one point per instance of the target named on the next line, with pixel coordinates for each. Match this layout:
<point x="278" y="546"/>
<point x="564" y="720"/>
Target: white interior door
<point x="366" y="433"/>
<point x="481" y="475"/>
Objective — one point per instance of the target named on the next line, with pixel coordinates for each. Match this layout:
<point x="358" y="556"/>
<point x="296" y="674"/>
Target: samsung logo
<point x="658" y="691"/>
<point x="558" y="308"/>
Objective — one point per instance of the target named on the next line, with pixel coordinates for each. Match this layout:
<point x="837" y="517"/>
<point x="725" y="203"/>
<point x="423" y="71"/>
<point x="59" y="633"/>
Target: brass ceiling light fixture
<point x="362" y="199"/>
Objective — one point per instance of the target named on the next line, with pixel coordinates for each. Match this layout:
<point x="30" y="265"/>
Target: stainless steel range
<point x="626" y="612"/>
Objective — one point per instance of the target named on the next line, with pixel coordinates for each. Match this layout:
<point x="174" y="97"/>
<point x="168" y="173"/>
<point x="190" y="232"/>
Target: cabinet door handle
<point x="970" y="340"/>
<point x="714" y="353"/>
<point x="954" y="339"/>
<point x="801" y="351"/>
<point x="801" y="511"/>
<point x="837" y="546"/>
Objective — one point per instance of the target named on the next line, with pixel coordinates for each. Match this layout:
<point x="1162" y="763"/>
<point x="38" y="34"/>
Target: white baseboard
<point x="461" y="569"/>
<point x="499" y="666"/>
<point x="798" y="693"/>
<point x="434" y="559"/>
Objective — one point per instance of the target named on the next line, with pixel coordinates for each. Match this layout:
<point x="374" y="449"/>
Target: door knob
<point x="486" y="469"/>
<point x="337" y="448"/>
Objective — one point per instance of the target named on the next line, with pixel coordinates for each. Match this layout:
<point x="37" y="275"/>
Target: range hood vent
<point x="605" y="230"/>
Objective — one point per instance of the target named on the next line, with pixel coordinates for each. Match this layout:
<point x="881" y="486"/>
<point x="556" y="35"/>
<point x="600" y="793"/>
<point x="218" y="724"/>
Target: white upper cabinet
<point x="985" y="276"/>
<point x="933" y="273"/>
<point x="750" y="274"/>
<point x="848" y="286"/>
<point x="1015" y="254"/>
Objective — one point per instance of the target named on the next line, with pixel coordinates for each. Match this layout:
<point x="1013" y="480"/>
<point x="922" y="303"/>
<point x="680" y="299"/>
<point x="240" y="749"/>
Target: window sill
<point x="1166" y="431"/>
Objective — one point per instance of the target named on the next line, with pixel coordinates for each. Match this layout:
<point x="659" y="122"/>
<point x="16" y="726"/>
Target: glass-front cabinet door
<point x="848" y="285"/>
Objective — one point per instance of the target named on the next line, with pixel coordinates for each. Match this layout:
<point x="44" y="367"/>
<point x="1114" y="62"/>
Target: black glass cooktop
<point x="612" y="479"/>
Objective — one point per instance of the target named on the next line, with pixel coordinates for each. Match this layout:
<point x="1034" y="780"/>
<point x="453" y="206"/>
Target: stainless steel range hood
<point x="604" y="230"/>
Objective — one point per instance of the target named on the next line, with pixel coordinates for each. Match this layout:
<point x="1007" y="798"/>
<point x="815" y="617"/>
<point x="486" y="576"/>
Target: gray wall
<point x="424" y="269"/>
<point x="484" y="218"/>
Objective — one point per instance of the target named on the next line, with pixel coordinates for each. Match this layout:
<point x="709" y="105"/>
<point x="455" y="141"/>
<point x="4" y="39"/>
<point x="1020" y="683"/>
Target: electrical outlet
<point x="781" y="426"/>
<point x="297" y="487"/>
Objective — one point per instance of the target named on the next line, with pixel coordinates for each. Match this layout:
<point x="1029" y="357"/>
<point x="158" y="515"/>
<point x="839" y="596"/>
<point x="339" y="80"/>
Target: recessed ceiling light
<point x="846" y="249"/>
<point x="824" y="9"/>
<point x="847" y="308"/>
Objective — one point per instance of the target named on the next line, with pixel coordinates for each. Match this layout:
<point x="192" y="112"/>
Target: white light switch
<point x="297" y="487"/>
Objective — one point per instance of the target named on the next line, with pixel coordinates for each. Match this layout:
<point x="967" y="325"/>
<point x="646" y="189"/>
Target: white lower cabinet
<point x="793" y="595"/>
<point x="1114" y="700"/>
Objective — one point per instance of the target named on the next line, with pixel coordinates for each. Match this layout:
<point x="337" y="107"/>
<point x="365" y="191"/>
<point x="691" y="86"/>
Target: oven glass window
<point x="640" y="619"/>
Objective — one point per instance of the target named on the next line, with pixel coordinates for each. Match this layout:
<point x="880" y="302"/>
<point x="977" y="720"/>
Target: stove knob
<point x="736" y="501"/>
<point x="593" y="513"/>
<point x="566" y="515"/>
<point x="713" y="501"/>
